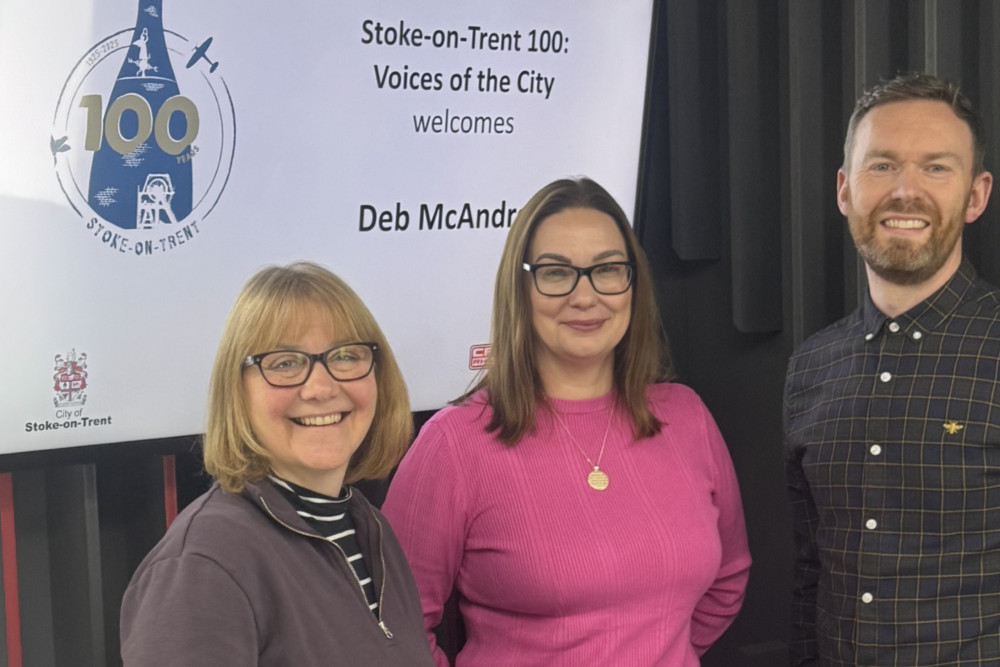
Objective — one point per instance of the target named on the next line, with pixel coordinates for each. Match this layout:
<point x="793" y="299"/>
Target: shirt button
<point x="871" y="524"/>
<point x="893" y="327"/>
<point x="885" y="377"/>
<point x="869" y="336"/>
<point x="875" y="450"/>
<point x="867" y="598"/>
<point x="917" y="335"/>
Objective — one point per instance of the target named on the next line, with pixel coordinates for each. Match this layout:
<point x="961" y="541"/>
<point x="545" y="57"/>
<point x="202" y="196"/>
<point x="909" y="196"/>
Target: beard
<point x="906" y="261"/>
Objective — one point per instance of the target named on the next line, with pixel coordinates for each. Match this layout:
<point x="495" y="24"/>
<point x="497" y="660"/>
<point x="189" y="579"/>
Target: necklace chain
<point x="597" y="478"/>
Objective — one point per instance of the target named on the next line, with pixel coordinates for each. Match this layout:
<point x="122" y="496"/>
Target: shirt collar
<point x="929" y="314"/>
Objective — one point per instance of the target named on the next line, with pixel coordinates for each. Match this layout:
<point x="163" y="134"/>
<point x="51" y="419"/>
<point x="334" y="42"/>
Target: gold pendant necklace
<point x="596" y="478"/>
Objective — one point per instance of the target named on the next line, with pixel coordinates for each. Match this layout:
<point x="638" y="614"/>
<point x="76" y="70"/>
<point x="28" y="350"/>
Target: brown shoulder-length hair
<point x="513" y="386"/>
<point x="277" y="304"/>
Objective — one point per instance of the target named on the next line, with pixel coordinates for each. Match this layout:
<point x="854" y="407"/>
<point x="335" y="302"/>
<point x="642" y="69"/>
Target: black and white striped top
<point x="330" y="518"/>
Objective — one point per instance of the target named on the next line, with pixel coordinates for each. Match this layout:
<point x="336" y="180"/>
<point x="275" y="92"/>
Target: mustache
<point x="895" y="207"/>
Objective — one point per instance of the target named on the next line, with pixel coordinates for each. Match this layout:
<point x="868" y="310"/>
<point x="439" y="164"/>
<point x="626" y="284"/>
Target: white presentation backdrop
<point x="146" y="173"/>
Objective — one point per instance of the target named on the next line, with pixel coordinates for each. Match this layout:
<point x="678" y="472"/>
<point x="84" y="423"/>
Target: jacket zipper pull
<point x="388" y="634"/>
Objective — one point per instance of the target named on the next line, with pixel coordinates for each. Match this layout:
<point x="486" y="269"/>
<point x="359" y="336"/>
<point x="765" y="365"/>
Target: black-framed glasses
<point x="291" y="368"/>
<point x="607" y="278"/>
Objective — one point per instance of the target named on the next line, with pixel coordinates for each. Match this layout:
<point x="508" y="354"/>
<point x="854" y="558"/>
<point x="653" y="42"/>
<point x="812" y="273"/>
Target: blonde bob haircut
<point x="513" y="386"/>
<point x="278" y="304"/>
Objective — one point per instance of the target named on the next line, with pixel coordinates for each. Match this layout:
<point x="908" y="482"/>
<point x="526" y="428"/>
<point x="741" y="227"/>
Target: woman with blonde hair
<point x="585" y="511"/>
<point x="282" y="562"/>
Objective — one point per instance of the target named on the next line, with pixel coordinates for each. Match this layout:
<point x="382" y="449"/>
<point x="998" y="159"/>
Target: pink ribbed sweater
<point x="551" y="572"/>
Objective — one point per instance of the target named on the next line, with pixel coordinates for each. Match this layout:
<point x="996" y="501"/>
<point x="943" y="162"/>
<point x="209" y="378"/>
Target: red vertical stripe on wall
<point x="8" y="552"/>
<point x="170" y="488"/>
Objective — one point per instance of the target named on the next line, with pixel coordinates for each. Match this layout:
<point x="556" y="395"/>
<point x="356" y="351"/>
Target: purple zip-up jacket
<point x="241" y="579"/>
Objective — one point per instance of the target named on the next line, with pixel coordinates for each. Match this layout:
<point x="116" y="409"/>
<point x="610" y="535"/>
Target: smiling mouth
<point x="912" y="223"/>
<point x="325" y="420"/>
<point x="584" y="324"/>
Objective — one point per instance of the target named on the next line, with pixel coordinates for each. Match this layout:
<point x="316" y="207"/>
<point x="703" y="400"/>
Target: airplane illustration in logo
<point x="202" y="52"/>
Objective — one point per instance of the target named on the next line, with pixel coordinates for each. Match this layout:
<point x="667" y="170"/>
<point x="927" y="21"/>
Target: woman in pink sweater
<point x="585" y="512"/>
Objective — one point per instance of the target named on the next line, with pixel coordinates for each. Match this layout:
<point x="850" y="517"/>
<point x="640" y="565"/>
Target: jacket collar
<point x="263" y="494"/>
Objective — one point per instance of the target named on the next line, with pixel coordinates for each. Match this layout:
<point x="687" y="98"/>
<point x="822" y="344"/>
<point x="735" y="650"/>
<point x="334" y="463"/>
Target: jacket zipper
<point x="381" y="592"/>
<point x="381" y="596"/>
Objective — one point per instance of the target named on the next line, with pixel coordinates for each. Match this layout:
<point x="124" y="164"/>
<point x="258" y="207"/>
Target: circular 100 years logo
<point x="143" y="137"/>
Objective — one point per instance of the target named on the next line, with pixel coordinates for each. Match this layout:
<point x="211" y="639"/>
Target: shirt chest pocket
<point x="965" y="458"/>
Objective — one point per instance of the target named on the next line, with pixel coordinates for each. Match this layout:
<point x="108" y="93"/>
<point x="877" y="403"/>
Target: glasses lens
<point x="284" y="368"/>
<point x="611" y="278"/>
<point x="555" y="279"/>
<point x="350" y="362"/>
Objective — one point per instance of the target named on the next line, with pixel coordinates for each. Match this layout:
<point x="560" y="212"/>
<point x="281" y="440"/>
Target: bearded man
<point x="892" y="415"/>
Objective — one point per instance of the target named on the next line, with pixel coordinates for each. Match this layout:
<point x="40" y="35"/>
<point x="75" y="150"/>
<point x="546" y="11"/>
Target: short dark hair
<point x="919" y="86"/>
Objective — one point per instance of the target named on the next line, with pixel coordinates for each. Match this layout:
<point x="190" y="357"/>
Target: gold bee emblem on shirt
<point x="952" y="427"/>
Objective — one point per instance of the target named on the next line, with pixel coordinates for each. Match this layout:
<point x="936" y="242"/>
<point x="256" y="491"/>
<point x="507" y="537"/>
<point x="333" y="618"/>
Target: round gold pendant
<point x="597" y="479"/>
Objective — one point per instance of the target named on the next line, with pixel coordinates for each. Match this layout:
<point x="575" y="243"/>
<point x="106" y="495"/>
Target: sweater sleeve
<point x="187" y="611"/>
<point x="720" y="604"/>
<point x="427" y="507"/>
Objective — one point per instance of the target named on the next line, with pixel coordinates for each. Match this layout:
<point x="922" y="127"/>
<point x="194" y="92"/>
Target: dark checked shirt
<point x="892" y="428"/>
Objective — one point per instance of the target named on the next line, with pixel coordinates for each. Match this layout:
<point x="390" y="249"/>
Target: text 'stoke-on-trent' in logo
<point x="143" y="136"/>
